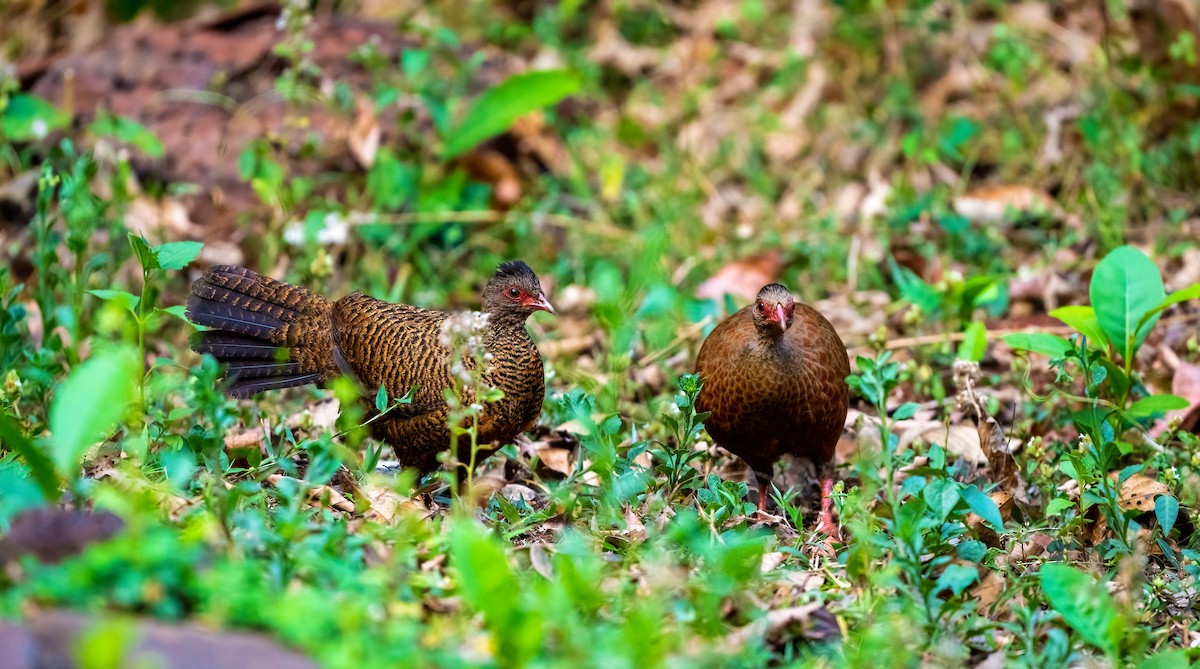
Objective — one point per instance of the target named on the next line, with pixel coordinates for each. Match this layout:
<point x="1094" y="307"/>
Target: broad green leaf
<point x="983" y="506"/>
<point x="916" y="290"/>
<point x="1170" y="659"/>
<point x="88" y="404"/>
<point x="145" y="254"/>
<point x="1118" y="382"/>
<point x="1155" y="405"/>
<point x="13" y="438"/>
<point x="489" y="585"/>
<point x="496" y="110"/>
<point x="974" y="343"/>
<point x="972" y="550"/>
<point x="177" y="310"/>
<point x="1049" y="345"/>
<point x="905" y="411"/>
<point x="381" y="399"/>
<point x="1125" y="286"/>
<point x="129" y="131"/>
<point x="941" y="495"/>
<point x="1058" y="505"/>
<point x="1083" y="319"/>
<point x="1085" y="605"/>
<point x="28" y="117"/>
<point x="1166" y="510"/>
<point x="1182" y="295"/>
<point x="119" y="297"/>
<point x="956" y="578"/>
<point x="176" y="255"/>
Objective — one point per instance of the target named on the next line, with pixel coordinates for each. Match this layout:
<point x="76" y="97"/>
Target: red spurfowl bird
<point x="774" y="379"/>
<point x="270" y="334"/>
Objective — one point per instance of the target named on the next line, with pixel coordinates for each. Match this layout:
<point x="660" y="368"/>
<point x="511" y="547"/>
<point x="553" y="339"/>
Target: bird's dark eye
<point x="760" y="306"/>
<point x="513" y="292"/>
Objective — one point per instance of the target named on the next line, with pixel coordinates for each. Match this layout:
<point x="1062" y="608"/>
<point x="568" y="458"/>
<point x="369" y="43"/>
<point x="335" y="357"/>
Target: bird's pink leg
<point x="826" y="525"/>
<point x="764" y="490"/>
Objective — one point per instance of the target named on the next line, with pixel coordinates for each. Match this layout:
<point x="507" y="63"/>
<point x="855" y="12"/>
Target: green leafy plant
<point x="1127" y="300"/>
<point x="496" y="110"/>
<point x="675" y="461"/>
<point x="722" y="500"/>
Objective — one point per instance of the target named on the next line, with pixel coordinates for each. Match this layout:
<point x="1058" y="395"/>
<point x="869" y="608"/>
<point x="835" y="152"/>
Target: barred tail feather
<point x="269" y="334"/>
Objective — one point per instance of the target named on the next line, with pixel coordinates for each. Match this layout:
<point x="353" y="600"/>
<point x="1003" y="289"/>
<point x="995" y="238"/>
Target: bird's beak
<point x="782" y="317"/>
<point x="542" y="304"/>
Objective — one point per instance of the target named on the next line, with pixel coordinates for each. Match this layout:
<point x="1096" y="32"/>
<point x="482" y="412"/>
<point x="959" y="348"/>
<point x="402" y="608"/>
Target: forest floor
<point x="995" y="204"/>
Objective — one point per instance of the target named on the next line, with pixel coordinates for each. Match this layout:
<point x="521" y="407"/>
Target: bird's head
<point x="773" y="309"/>
<point x="514" y="292"/>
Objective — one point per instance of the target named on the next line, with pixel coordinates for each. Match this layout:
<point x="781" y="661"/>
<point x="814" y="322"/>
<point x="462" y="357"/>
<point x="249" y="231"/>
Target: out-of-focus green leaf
<point x="28" y="117"/>
<point x="974" y="343"/>
<point x="1085" y="605"/>
<point x="494" y="111"/>
<point x="1038" y="342"/>
<point x="176" y="255"/>
<point x="40" y="465"/>
<point x="89" y="403"/>
<point x="1125" y="287"/>
<point x="128" y="131"/>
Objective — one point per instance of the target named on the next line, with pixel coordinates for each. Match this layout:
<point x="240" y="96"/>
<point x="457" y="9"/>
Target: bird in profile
<point x="774" y="381"/>
<point x="270" y="334"/>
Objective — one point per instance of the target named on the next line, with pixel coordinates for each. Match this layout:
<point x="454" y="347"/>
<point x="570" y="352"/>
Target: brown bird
<point x="774" y="379"/>
<point x="271" y="334"/>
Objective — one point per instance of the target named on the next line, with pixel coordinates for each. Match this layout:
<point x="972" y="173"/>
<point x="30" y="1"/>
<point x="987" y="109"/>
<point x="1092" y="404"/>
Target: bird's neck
<point x="773" y="344"/>
<point x="506" y="323"/>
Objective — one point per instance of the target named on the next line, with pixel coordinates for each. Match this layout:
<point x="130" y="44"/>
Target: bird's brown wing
<point x="725" y="382"/>
<point x="392" y="345"/>
<point x="821" y="373"/>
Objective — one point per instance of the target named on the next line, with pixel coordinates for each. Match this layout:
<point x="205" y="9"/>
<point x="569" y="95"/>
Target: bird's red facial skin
<point x="539" y="303"/>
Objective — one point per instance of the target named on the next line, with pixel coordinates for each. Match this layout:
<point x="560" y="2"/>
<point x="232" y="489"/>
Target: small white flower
<point x="39" y="128"/>
<point x="335" y="231"/>
<point x="294" y="233"/>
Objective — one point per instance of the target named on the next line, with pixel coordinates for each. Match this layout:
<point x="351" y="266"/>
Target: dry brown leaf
<point x="363" y="137"/>
<point x="492" y="167"/>
<point x="1004" y="502"/>
<point x="514" y="491"/>
<point x="538" y="139"/>
<point x="771" y="561"/>
<point x="1185" y="384"/>
<point x="812" y="622"/>
<point x="993" y="204"/>
<point x="635" y="530"/>
<point x="318" y="494"/>
<point x="1139" y="491"/>
<point x="557" y="459"/>
<point x="742" y="278"/>
<point x="539" y="558"/>
<point x="1002" y="467"/>
<point x="382" y="503"/>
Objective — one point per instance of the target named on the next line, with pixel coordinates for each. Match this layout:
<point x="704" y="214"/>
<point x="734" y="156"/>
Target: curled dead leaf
<point x="996" y="204"/>
<point x="363" y="138"/>
<point x="811" y="622"/>
<point x="319" y="496"/>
